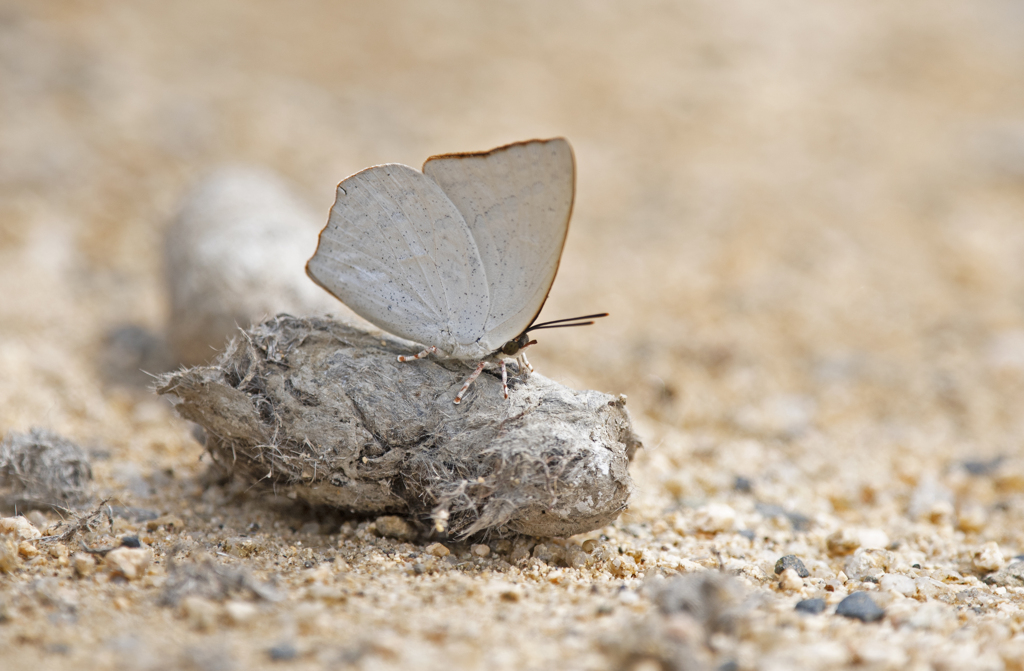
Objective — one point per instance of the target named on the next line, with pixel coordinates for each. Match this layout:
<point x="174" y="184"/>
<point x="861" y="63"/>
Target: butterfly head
<point x="517" y="344"/>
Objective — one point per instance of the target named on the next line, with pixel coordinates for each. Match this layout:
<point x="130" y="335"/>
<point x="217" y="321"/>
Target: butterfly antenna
<point x="571" y="321"/>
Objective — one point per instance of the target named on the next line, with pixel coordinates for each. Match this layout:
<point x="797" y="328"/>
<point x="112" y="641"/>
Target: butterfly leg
<point x="430" y="350"/>
<point x="469" y="381"/>
<point x="504" y="379"/>
<point x="523" y="362"/>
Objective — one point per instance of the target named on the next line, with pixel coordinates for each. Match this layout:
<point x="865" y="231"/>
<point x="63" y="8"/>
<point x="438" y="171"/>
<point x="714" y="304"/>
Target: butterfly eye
<point x="512" y="347"/>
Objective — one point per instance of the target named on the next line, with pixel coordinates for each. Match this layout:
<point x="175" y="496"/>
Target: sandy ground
<point x="807" y="221"/>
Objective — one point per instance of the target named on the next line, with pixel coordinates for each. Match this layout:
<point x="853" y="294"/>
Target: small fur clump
<point x="40" y="469"/>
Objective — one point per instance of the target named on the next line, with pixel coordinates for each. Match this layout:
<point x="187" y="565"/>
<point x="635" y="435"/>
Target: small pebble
<point x="129" y="562"/>
<point x="282" y="652"/>
<point x="130" y="542"/>
<point x="392" y="526"/>
<point x="84" y="564"/>
<point x="589" y="545"/>
<point x="868" y="564"/>
<point x="240" y="612"/>
<point x="8" y="555"/>
<point x="860" y="606"/>
<point x="27" y="550"/>
<point x="1011" y="575"/>
<point x="842" y="542"/>
<point x="988" y="558"/>
<point x="901" y="584"/>
<point x="575" y="557"/>
<point x="715" y="517"/>
<point x="481" y="551"/>
<point x="790" y="581"/>
<point x="437" y="550"/>
<point x="629" y="597"/>
<point x="549" y="553"/>
<point x="792" y="562"/>
<point x="511" y="595"/>
<point x="502" y="547"/>
<point x="929" y="588"/>
<point x="19" y="527"/>
<point x="623" y="567"/>
<point x="520" y="553"/>
<point x="972" y="518"/>
<point x="811" y="606"/>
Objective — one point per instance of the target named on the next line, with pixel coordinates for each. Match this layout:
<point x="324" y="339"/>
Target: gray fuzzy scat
<point x="327" y="410"/>
<point x="41" y="469"/>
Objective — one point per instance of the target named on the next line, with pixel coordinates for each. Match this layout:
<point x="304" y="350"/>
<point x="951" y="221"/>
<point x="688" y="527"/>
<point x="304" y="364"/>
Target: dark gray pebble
<point x="986" y="467"/>
<point x="811" y="606"/>
<point x="793" y="562"/>
<point x="799" y="521"/>
<point x="860" y="606"/>
<point x="283" y="652"/>
<point x="1011" y="575"/>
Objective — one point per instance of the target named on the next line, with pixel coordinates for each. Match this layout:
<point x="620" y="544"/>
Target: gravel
<point x="860" y="606"/>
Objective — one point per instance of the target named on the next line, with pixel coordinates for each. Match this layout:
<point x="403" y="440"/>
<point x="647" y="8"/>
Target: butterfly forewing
<point x="399" y="253"/>
<point x="516" y="201"/>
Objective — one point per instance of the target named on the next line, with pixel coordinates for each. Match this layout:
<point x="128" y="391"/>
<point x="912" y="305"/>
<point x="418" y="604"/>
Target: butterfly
<point x="459" y="257"/>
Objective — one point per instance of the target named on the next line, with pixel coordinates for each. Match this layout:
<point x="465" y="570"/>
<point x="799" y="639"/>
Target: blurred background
<point x="807" y="219"/>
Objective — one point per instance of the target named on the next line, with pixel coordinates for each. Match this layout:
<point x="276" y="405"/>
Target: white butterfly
<point x="459" y="257"/>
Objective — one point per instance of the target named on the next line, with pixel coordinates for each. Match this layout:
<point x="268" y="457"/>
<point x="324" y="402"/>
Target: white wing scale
<point x="398" y="253"/>
<point x="517" y="201"/>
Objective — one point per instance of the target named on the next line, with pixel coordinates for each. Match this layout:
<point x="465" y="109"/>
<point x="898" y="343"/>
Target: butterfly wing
<point x="517" y="201"/>
<point x="399" y="253"/>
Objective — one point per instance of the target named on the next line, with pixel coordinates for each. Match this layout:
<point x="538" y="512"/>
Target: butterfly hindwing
<point x="399" y="253"/>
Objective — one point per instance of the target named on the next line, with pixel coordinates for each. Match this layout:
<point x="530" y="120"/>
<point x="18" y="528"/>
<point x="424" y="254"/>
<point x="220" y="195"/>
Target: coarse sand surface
<point x="806" y="221"/>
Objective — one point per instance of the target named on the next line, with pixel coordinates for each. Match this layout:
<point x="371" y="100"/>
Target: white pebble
<point x="929" y="588"/>
<point x="19" y="527"/>
<point x="868" y="564"/>
<point x="895" y="582"/>
<point x="715" y="517"/>
<point x="873" y="538"/>
<point x="790" y="581"/>
<point x="129" y="562"/>
<point x="84" y="564"/>
<point x="988" y="557"/>
<point x="240" y="612"/>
